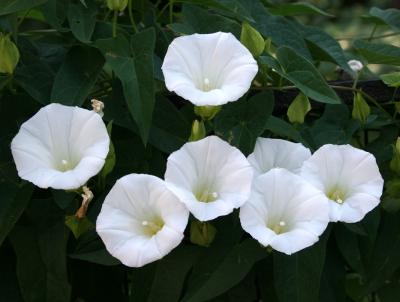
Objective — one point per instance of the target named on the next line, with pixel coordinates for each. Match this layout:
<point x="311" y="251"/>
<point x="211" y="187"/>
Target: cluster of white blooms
<point x="286" y="195"/>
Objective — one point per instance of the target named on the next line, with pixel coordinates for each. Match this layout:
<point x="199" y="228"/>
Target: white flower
<point x="349" y="177"/>
<point x="277" y="153"/>
<point x="141" y="221"/>
<point x="284" y="212"/>
<point x="209" y="69"/>
<point x="355" y="65"/>
<point x="210" y="177"/>
<point x="60" y="147"/>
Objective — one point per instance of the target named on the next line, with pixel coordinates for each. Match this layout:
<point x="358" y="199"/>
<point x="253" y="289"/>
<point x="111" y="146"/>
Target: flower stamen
<point x="336" y="195"/>
<point x="279" y="228"/>
<point x="206" y="196"/>
<point x="152" y="227"/>
<point x="206" y="84"/>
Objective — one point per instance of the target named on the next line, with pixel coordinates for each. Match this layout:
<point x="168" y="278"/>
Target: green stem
<point x="171" y="11"/>
<point x="162" y="11"/>
<point x="131" y="16"/>
<point x="371" y="36"/>
<point x="394" y="94"/>
<point x="114" y="23"/>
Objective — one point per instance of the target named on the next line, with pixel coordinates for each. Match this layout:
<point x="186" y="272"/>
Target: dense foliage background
<point x="73" y="51"/>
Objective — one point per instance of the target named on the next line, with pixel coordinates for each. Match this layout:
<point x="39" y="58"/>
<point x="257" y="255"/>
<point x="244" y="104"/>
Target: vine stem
<point x="114" y="23"/>
<point x="371" y="36"/>
<point x="171" y="11"/>
<point x="131" y="17"/>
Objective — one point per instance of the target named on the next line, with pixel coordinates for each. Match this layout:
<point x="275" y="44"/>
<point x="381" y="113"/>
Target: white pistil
<point x="206" y="85"/>
<point x="214" y="194"/>
<point x="282" y="223"/>
<point x="152" y="227"/>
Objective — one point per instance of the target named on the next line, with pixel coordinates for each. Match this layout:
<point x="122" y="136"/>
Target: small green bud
<point x="117" y="4"/>
<point x="9" y="54"/>
<point x="202" y="233"/>
<point x="252" y="39"/>
<point x="298" y="109"/>
<point x="361" y="109"/>
<point x="198" y="131"/>
<point x="207" y="113"/>
<point x="395" y="162"/>
<point x="397" y="106"/>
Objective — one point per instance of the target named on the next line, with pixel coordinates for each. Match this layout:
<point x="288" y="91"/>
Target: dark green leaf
<point x="297" y="277"/>
<point x="82" y="20"/>
<point x="389" y="16"/>
<point x="78" y="226"/>
<point x="77" y="76"/>
<point x="281" y="128"/>
<point x="298" y="8"/>
<point x="227" y="273"/>
<point x="12" y="6"/>
<point x="378" y="53"/>
<point x="241" y="122"/>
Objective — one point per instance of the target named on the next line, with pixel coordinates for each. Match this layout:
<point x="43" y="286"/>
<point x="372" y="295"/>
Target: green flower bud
<point x="117" y="4"/>
<point x="298" y="109"/>
<point x="202" y="233"/>
<point x="207" y="112"/>
<point x="395" y="162"/>
<point x="361" y="109"/>
<point x="252" y="39"/>
<point x="9" y="54"/>
<point x="198" y="131"/>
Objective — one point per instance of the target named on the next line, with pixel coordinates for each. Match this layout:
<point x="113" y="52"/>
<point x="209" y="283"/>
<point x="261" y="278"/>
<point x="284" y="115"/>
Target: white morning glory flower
<point x="60" y="147"/>
<point x="355" y="65"/>
<point x="284" y="212"/>
<point x="349" y="177"/>
<point x="141" y="221"/>
<point x="277" y="153"/>
<point x="209" y="69"/>
<point x="210" y="177"/>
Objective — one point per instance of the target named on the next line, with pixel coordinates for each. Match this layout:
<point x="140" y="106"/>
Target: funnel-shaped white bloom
<point x="210" y="177"/>
<point x="349" y="177"/>
<point x="141" y="221"/>
<point x="272" y="153"/>
<point x="60" y="147"/>
<point x="284" y="212"/>
<point x="209" y="69"/>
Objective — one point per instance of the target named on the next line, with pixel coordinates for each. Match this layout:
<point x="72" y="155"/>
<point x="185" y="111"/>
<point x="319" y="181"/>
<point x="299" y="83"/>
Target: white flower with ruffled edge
<point x="209" y="69"/>
<point x="272" y="153"/>
<point x="349" y="177"/>
<point x="210" y="177"/>
<point x="60" y="147"/>
<point x="141" y="221"/>
<point x="284" y="212"/>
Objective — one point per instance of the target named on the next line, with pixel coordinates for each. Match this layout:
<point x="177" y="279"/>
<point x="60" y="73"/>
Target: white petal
<point x="277" y="153"/>
<point x="353" y="172"/>
<point x="211" y="166"/>
<point x="134" y="200"/>
<point x="58" y="133"/>
<point x="280" y="198"/>
<point x="218" y="59"/>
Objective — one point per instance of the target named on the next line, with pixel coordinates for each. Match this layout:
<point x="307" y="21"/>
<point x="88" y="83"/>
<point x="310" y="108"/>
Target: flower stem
<point x="114" y="24"/>
<point x="371" y="36"/>
<point x="171" y="11"/>
<point x="131" y="16"/>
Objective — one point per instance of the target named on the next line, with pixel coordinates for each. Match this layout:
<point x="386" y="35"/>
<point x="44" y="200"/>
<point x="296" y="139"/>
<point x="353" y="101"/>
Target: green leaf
<point x="281" y="128"/>
<point x="298" y="8"/>
<point x="133" y="65"/>
<point x="14" y="200"/>
<point x="202" y="233"/>
<point x="12" y="6"/>
<point x="241" y="122"/>
<point x="391" y="79"/>
<point x="171" y="273"/>
<point x="40" y="247"/>
<point x="78" y="226"/>
<point x="110" y="159"/>
<point x="55" y="13"/>
<point x="227" y="273"/>
<point x="77" y="76"/>
<point x="378" y="53"/>
<point x="297" y="277"/>
<point x="252" y="39"/>
<point x="304" y="76"/>
<point x="361" y="109"/>
<point x="82" y="20"/>
<point x="298" y="109"/>
<point x="390" y="17"/>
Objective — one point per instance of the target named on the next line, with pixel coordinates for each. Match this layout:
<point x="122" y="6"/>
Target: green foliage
<point x="65" y="51"/>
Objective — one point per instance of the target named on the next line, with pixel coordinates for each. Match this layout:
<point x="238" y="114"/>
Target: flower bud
<point x="207" y="112"/>
<point x="202" y="233"/>
<point x="355" y="65"/>
<point x="9" y="54"/>
<point x="361" y="109"/>
<point x="198" y="131"/>
<point x="395" y="162"/>
<point x="98" y="107"/>
<point x="298" y="109"/>
<point x="117" y="4"/>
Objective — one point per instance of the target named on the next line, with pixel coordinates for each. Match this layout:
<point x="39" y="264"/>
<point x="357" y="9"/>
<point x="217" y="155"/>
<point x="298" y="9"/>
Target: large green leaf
<point x="389" y="16"/>
<point x="241" y="122"/>
<point x="303" y="74"/>
<point x="297" y="277"/>
<point x="133" y="64"/>
<point x="298" y="8"/>
<point x="82" y="20"/>
<point x="40" y="247"/>
<point x="77" y="76"/>
<point x="12" y="6"/>
<point x="227" y="273"/>
<point x="378" y="53"/>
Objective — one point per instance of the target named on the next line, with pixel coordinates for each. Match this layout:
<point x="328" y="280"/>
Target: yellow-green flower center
<point x="151" y="227"/>
<point x="206" y="196"/>
<point x="336" y="195"/>
<point x="279" y="227"/>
